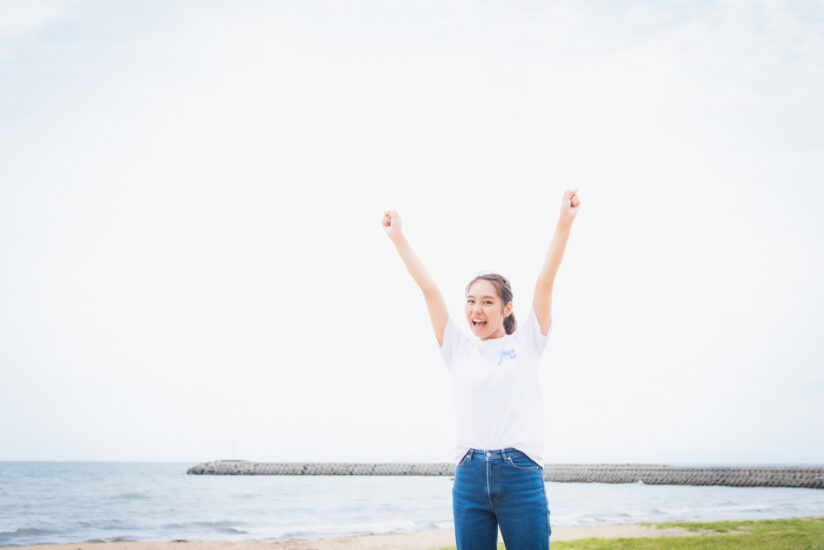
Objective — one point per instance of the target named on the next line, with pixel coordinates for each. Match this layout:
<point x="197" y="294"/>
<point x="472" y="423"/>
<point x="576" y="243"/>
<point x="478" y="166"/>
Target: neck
<point x="500" y="333"/>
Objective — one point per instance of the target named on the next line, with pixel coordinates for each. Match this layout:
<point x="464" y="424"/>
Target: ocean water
<point x="74" y="502"/>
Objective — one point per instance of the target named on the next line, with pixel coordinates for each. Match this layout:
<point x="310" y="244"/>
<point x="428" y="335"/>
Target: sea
<point x="80" y="502"/>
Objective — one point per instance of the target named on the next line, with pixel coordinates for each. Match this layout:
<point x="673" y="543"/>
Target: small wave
<point x="107" y="524"/>
<point x="351" y="529"/>
<point x="740" y="507"/>
<point x="233" y="531"/>
<point x="220" y="526"/>
<point x="134" y="495"/>
<point x="24" y="531"/>
<point x="24" y="536"/>
<point x="114" y="539"/>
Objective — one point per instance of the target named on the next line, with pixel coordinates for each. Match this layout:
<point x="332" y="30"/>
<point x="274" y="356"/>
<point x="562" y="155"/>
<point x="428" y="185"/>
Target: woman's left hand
<point x="570" y="204"/>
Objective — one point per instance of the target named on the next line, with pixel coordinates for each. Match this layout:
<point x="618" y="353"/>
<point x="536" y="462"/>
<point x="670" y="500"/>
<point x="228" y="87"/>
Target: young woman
<point x="495" y="376"/>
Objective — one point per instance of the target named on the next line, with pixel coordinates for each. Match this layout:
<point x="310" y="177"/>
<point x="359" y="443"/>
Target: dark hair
<point x="504" y="293"/>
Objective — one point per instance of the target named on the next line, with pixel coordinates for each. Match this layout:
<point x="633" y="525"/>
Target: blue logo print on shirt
<point x="507" y="354"/>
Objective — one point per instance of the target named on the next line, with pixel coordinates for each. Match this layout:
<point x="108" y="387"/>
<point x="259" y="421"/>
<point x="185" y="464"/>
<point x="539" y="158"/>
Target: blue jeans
<point x="503" y="488"/>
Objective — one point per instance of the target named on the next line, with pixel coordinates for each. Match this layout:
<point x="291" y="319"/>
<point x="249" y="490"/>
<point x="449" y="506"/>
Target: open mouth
<point x="478" y="324"/>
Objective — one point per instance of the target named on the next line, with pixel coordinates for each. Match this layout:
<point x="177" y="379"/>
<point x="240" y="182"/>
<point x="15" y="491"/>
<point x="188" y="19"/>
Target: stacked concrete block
<point x="651" y="474"/>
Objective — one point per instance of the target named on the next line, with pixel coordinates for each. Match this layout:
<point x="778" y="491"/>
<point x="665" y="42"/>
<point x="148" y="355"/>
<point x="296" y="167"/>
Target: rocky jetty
<point x="651" y="474"/>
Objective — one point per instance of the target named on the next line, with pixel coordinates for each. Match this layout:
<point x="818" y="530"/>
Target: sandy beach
<point x="427" y="540"/>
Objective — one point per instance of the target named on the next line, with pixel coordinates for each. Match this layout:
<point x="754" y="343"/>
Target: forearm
<point x="555" y="253"/>
<point x="414" y="265"/>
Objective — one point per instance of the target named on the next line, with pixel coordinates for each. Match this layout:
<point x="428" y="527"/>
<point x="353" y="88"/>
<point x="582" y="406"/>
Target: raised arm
<point x="435" y="303"/>
<point x="542" y="302"/>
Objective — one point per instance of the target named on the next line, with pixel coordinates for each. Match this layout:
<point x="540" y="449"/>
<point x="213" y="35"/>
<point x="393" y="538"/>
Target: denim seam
<point x="488" y="488"/>
<point x="524" y="468"/>
<point x="548" y="526"/>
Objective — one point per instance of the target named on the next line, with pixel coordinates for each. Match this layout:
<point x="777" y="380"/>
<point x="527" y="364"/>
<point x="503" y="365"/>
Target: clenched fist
<point x="391" y="223"/>
<point x="570" y="203"/>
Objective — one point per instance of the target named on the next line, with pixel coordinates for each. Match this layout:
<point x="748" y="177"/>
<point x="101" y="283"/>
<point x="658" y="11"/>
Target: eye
<point x="488" y="302"/>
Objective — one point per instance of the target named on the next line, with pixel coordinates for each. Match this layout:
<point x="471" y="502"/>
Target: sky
<point x="193" y="266"/>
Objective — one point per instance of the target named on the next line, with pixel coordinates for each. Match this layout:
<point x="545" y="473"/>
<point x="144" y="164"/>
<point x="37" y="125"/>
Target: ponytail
<point x="510" y="324"/>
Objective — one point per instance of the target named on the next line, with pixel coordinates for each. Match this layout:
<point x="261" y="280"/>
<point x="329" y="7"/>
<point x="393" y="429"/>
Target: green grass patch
<point x="774" y="534"/>
<point x="704" y="526"/>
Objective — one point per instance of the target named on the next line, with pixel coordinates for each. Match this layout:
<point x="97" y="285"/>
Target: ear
<point x="508" y="310"/>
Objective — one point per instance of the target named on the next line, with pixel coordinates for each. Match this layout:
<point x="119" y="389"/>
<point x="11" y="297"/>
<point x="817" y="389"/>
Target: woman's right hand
<point x="391" y="223"/>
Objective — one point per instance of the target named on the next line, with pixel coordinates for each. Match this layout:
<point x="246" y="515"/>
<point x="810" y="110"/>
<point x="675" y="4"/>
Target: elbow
<point x="430" y="291"/>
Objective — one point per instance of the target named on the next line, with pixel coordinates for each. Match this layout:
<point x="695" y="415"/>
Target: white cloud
<point x="20" y="17"/>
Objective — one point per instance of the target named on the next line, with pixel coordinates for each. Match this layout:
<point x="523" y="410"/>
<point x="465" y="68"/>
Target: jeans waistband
<point x="503" y="453"/>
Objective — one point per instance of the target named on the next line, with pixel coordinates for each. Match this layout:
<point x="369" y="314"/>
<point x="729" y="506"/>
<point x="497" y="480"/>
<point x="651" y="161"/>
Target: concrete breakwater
<point x="651" y="474"/>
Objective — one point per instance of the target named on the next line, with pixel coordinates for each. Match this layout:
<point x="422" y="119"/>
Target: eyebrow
<point x="472" y="296"/>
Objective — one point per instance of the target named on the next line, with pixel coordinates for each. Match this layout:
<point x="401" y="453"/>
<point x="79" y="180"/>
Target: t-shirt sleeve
<point x="453" y="341"/>
<point x="532" y="332"/>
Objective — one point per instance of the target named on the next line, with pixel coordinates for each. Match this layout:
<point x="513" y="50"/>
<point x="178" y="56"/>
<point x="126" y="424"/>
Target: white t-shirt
<point x="496" y="388"/>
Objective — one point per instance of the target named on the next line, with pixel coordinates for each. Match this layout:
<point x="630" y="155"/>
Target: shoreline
<point x="420" y="540"/>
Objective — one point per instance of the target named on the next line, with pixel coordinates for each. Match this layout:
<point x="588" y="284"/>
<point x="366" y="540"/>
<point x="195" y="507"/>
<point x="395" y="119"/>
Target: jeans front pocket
<point x="520" y="461"/>
<point x="465" y="459"/>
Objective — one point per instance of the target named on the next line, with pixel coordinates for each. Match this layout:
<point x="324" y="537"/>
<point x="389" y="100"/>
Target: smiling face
<point x="485" y="311"/>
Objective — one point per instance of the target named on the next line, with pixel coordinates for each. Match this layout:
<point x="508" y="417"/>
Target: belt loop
<point x="471" y="453"/>
<point x="504" y="455"/>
